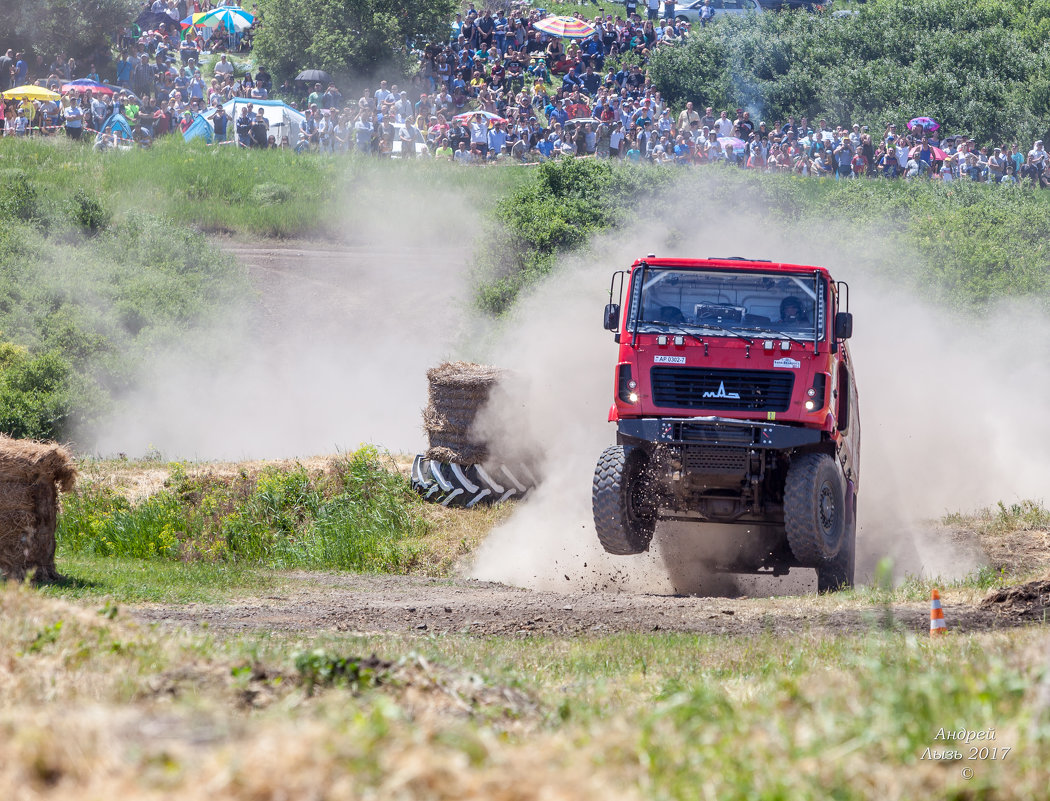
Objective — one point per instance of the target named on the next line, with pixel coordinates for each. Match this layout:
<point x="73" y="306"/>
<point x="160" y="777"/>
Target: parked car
<point x="791" y="5"/>
<point x="690" y="11"/>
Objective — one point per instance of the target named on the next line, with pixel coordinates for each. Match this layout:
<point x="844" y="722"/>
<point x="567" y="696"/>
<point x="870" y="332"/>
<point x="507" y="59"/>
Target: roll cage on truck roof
<point x="735" y="402"/>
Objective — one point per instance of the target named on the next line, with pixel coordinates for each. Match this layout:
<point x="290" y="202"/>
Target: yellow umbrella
<point x="30" y="93"/>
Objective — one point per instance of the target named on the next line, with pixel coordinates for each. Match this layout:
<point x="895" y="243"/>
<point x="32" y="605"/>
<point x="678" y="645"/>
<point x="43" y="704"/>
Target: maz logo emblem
<point x="722" y="393"/>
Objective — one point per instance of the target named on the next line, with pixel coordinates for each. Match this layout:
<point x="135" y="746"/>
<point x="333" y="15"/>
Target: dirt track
<point x="312" y="602"/>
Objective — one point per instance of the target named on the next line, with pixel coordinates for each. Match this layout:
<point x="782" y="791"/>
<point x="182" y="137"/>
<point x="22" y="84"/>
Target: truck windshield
<point x="728" y="302"/>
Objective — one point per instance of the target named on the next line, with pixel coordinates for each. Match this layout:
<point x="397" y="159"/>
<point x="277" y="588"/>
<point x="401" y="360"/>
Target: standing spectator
<point x="363" y="133"/>
<point x="125" y="64"/>
<point x="7" y="64"/>
<point x="220" y="122"/>
<point x="653" y="7"/>
<point x="706" y="13"/>
<point x="479" y="137"/>
<point x="724" y="125"/>
<point x="407" y="137"/>
<point x="669" y="6"/>
<point x="74" y="118"/>
<point x="244" y="128"/>
<point x="687" y="117"/>
<point x="21" y="70"/>
<point x="1036" y="161"/>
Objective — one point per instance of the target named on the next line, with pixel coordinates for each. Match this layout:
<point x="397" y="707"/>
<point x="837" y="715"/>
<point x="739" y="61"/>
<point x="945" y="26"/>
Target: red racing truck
<point x="735" y="402"/>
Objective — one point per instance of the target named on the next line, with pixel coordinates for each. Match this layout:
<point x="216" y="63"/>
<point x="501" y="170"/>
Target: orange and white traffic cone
<point x="937" y="624"/>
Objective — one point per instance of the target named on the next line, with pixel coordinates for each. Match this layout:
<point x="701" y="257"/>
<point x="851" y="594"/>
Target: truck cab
<point x="734" y="402"/>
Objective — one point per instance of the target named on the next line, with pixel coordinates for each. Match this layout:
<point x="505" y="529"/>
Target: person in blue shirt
<point x="21" y="69"/>
<point x="594" y="51"/>
<point x="497" y="138"/>
<point x="558" y="115"/>
<point x="124" y="65"/>
<point x="571" y="80"/>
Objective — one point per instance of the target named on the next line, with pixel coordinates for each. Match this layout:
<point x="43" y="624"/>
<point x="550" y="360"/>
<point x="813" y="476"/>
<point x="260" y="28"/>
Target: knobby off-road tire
<point x="815" y="509"/>
<point x="837" y="573"/>
<point x="622" y="501"/>
<point x="452" y="484"/>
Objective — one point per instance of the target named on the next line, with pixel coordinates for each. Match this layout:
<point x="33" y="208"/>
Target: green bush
<point x="359" y="516"/>
<point x="88" y="212"/>
<point x="979" y="69"/>
<point x="563" y="204"/>
<point x="36" y="394"/>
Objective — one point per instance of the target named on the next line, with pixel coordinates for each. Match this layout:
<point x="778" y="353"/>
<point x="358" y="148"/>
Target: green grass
<point x="128" y="580"/>
<point x="1025" y="515"/>
<point x="272" y="193"/>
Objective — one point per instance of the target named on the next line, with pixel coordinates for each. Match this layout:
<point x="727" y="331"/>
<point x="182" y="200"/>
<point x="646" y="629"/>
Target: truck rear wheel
<point x="622" y="501"/>
<point x="815" y="509"/>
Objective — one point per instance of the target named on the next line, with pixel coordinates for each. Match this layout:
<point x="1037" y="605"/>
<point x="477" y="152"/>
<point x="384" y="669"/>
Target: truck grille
<point x="738" y="390"/>
<point x="712" y="434"/>
<point x="714" y="459"/>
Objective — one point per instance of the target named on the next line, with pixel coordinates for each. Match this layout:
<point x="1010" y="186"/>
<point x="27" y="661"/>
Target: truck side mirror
<point x="612" y="316"/>
<point x="843" y="325"/>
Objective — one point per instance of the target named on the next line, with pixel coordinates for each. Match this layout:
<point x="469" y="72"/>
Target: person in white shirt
<point x="724" y="126"/>
<point x="223" y="67"/>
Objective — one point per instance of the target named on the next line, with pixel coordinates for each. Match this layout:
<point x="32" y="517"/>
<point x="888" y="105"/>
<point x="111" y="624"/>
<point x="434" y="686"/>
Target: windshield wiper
<point x="776" y="334"/>
<point x="676" y="328"/>
<point x="730" y="331"/>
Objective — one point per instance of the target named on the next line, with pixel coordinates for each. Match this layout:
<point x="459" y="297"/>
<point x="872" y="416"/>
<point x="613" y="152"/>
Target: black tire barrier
<point x="461" y="485"/>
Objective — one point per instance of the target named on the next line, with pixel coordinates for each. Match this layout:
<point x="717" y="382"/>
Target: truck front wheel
<point x="623" y="501"/>
<point x="815" y="510"/>
<point x="837" y="573"/>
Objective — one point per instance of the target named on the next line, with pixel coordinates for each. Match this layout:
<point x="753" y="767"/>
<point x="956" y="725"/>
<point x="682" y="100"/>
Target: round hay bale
<point x="26" y="461"/>
<point x="464" y="375"/>
<point x="458" y="391"/>
<point x="16" y="496"/>
<point x="462" y="455"/>
<point x="30" y="476"/>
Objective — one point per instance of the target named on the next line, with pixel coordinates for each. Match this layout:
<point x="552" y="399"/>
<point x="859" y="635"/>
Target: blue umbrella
<point x="925" y="123"/>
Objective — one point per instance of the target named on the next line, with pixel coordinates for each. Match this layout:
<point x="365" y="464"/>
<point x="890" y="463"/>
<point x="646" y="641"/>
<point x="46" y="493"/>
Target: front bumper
<point x="714" y="431"/>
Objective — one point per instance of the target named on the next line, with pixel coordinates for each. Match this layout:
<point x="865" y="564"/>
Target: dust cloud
<point x="949" y="408"/>
<point x="949" y="404"/>
<point x="334" y="350"/>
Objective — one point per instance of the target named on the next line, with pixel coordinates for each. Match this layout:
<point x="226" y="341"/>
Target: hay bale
<point x="31" y="474"/>
<point x="25" y="461"/>
<point x="458" y="391"/>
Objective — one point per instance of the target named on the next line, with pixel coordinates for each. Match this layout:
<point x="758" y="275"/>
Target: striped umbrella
<point x="488" y="116"/>
<point x="231" y="17"/>
<point x="569" y="27"/>
<point x="84" y="85"/>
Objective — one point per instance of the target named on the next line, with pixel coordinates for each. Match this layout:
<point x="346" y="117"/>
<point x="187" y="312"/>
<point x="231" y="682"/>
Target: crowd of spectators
<point x="542" y="99"/>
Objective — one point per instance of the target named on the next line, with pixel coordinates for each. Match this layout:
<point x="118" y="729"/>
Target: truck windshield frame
<point x="728" y="303"/>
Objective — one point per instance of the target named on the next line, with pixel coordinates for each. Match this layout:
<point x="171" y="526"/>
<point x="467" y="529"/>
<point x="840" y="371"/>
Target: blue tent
<point x="118" y="124"/>
<point x="283" y="119"/>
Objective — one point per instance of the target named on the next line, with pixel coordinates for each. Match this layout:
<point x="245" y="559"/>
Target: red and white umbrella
<point x="488" y="116"/>
<point x="84" y="85"/>
<point x="569" y="27"/>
